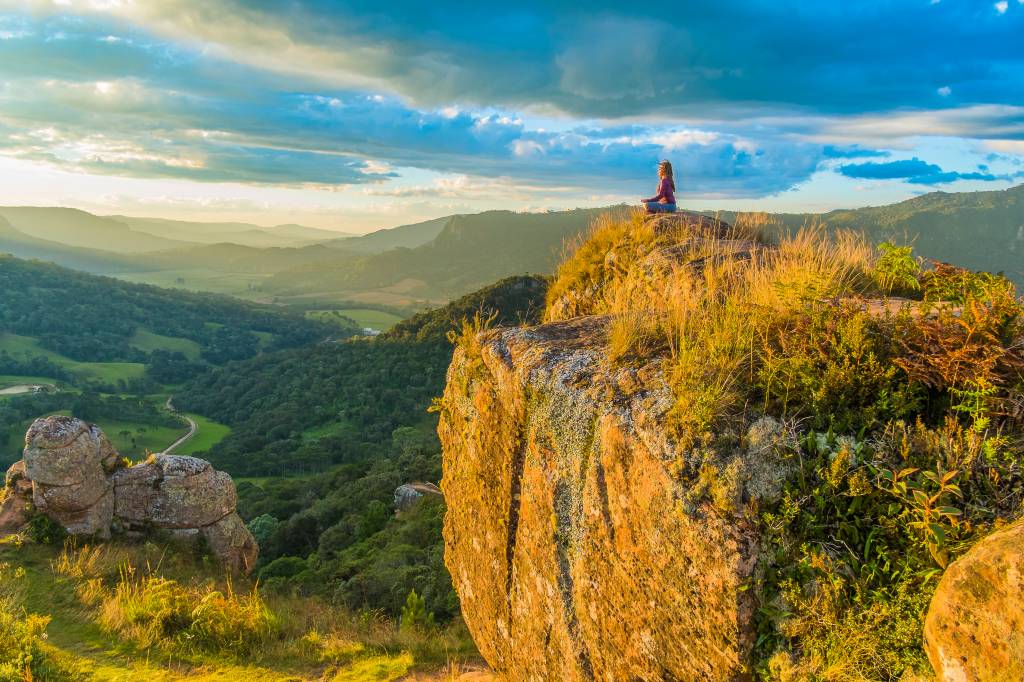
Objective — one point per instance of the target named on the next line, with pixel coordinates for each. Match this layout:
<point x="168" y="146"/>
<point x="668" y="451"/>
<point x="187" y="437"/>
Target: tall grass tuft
<point x="155" y="611"/>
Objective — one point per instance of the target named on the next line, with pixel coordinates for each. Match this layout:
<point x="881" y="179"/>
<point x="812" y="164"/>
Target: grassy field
<point x="266" y="338"/>
<point x="7" y="380"/>
<point x="208" y="434"/>
<point x="148" y="341"/>
<point x="110" y="372"/>
<point x="141" y="437"/>
<point x="328" y="429"/>
<point x="89" y="636"/>
<point x="364" y="317"/>
<point x="199" y="279"/>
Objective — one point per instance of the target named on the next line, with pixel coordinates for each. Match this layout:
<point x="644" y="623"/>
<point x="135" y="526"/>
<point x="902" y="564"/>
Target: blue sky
<point x="363" y="115"/>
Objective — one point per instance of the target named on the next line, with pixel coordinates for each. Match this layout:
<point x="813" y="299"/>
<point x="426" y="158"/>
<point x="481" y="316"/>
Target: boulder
<point x="685" y="222"/>
<point x="14" y="510"/>
<point x="134" y="490"/>
<point x="974" y="630"/>
<point x="232" y="543"/>
<point x="577" y="539"/>
<point x="109" y="456"/>
<point x="173" y="491"/>
<point x="407" y="494"/>
<point x="93" y="521"/>
<point x="75" y="497"/>
<point x="16" y="480"/>
<point x="61" y="451"/>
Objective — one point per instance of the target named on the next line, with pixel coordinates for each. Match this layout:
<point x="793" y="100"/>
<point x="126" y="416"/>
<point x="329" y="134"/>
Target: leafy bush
<point x="44" y="530"/>
<point x="22" y="652"/>
<point x="896" y="271"/>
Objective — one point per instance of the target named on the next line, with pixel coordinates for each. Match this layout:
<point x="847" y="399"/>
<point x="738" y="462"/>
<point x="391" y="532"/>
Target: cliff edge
<point x="668" y="478"/>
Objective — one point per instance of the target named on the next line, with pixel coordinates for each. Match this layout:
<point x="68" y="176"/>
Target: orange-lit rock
<point x="572" y="542"/>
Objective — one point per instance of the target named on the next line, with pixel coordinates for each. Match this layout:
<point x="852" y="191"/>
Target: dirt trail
<point x="192" y="427"/>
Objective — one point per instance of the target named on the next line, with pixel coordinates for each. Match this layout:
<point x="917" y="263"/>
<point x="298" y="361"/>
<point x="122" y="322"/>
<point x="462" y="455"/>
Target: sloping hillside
<point x="72" y="227"/>
<point x="469" y="252"/>
<point x="977" y="230"/>
<point x="403" y="236"/>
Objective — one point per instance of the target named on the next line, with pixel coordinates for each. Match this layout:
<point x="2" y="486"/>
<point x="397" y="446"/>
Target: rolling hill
<point x="469" y="252"/>
<point x="403" y="236"/>
<point x="72" y="227"/>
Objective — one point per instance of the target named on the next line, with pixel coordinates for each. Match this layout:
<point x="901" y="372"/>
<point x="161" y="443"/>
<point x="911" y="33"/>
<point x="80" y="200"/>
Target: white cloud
<point x="678" y="139"/>
<point x="1001" y="6"/>
<point x="945" y="91"/>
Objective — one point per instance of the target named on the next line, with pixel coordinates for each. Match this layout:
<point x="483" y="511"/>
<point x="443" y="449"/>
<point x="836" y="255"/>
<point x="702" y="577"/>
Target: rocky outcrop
<point x="678" y="236"/>
<point x="407" y="494"/>
<point x="974" y="630"/>
<point x="71" y="473"/>
<point x="579" y="541"/>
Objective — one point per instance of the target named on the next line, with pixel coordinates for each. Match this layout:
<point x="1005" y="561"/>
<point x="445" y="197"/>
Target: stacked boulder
<point x="77" y="480"/>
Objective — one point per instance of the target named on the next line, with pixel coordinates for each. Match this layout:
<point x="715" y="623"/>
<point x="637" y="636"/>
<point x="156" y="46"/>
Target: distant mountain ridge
<point x="75" y="228"/>
<point x="244" y="234"/>
<point x="437" y="260"/>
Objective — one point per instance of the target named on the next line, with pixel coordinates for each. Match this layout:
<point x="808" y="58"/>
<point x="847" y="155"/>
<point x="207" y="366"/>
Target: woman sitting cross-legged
<point x="665" y="200"/>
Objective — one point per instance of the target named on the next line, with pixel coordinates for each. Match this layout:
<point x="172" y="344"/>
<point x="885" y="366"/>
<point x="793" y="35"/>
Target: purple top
<point x="665" y="194"/>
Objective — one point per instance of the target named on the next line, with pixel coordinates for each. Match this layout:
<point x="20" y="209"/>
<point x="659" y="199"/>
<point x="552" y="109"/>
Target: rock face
<point x="578" y="550"/>
<point x="974" y="631"/>
<point x="69" y="471"/>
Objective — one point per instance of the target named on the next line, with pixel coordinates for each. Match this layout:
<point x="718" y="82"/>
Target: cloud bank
<point x="750" y="98"/>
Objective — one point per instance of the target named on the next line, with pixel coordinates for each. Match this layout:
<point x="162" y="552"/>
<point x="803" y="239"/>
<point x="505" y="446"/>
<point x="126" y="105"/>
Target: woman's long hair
<point x="665" y="171"/>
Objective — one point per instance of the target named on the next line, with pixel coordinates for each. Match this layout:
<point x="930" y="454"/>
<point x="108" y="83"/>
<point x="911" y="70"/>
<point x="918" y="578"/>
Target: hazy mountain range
<point x="440" y="259"/>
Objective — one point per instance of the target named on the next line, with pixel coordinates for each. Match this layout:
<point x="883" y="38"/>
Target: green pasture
<point x="26" y="347"/>
<point x="148" y="341"/>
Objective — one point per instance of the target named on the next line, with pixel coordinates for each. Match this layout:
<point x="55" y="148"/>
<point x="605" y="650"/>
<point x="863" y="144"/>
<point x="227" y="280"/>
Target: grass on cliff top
<point x="801" y="328"/>
<point x="909" y="415"/>
<point x="122" y="612"/>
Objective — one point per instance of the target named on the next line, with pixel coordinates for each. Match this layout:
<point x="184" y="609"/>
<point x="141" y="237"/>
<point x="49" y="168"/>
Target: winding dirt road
<point x="192" y="427"/>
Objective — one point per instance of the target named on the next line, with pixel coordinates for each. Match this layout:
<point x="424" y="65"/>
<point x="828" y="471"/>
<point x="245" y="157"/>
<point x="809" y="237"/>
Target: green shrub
<point x="835" y="363"/>
<point x="855" y="548"/>
<point x="896" y="271"/>
<point x="44" y="530"/>
<point x="414" y="613"/>
<point x="24" y="655"/>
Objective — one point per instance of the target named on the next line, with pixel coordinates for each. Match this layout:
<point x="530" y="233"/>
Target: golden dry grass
<point x="704" y="308"/>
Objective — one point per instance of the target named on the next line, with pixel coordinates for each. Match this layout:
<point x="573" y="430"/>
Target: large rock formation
<point x="974" y="631"/>
<point x="71" y="473"/>
<point x="578" y="549"/>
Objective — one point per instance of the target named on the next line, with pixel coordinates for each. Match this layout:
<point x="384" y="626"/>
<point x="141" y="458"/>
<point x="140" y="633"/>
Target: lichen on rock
<point x="975" y="624"/>
<point x="566" y="536"/>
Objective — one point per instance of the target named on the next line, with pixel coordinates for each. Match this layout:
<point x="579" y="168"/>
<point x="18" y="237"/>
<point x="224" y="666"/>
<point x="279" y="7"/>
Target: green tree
<point x="414" y="613"/>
